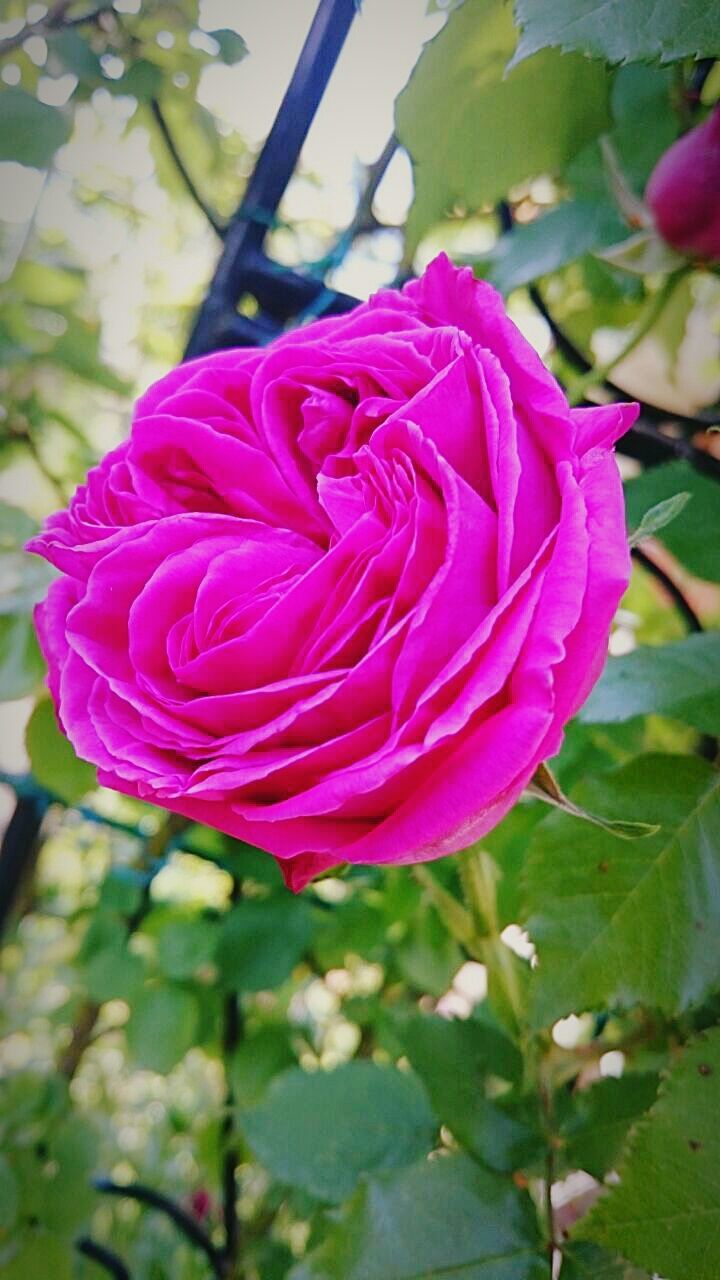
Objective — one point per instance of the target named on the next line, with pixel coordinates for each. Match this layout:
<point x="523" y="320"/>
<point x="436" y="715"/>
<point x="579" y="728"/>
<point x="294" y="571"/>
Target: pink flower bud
<point x="200" y="1204"/>
<point x="684" y="192"/>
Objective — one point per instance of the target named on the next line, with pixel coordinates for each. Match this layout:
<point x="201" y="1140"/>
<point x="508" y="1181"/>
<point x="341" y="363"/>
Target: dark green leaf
<point x="489" y="147"/>
<point x="620" y="30"/>
<point x="428" y="957"/>
<point x="142" y="80"/>
<point x="590" y="1262"/>
<point x="453" y="1059"/>
<point x="627" y="921"/>
<point x="550" y="242"/>
<point x="187" y="946"/>
<point x="21" y="664"/>
<point x="9" y="1195"/>
<point x="695" y="536"/>
<point x="446" y="1217"/>
<point x="30" y="131"/>
<point x="232" y="46"/>
<point x="24" y="581"/>
<point x="254" y="1063"/>
<point x="602" y="1115"/>
<point x="52" y="758"/>
<point x="678" y="680"/>
<point x="261" y="942"/>
<point x="321" y="1131"/>
<point x="162" y="1026"/>
<point x="665" y="1213"/>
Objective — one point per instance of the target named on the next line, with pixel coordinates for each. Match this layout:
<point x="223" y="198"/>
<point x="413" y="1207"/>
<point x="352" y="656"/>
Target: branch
<point x="112" y="1262"/>
<point x="215" y="221"/>
<point x="183" y="1221"/>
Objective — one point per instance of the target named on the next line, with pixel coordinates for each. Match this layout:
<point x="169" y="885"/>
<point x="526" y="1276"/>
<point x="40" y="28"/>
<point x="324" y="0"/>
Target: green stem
<point x="654" y="309"/>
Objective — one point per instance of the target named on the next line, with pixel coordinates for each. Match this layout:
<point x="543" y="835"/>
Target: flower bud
<point x="684" y="192"/>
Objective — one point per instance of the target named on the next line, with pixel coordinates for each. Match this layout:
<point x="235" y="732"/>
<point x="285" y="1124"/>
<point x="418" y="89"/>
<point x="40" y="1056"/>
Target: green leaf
<point x="665" y="1213"/>
<point x="109" y="970"/>
<point x="446" y="1217"/>
<point x="453" y="1059"/>
<point x="465" y="123"/>
<point x="678" y="680"/>
<point x="78" y="350"/>
<point x="76" y="55"/>
<point x="658" y="517"/>
<point x="620" y="30"/>
<point x="186" y="946"/>
<point x="428" y="957"/>
<point x="9" y="1196"/>
<point x="232" y="46"/>
<point x="30" y="131"/>
<point x="256" y="1060"/>
<point x="642" y="254"/>
<point x="550" y="242"/>
<point x="602" y="1115"/>
<point x="162" y="1026"/>
<point x="694" y="537"/>
<point x="40" y="1254"/>
<point x="142" y="80"/>
<point x="321" y="1131"/>
<point x="629" y="921"/>
<point x="589" y="1262"/>
<point x="46" y="286"/>
<point x="261" y="942"/>
<point x="16" y="527"/>
<point x="21" y="663"/>
<point x="52" y="758"/>
<point x="24" y="580"/>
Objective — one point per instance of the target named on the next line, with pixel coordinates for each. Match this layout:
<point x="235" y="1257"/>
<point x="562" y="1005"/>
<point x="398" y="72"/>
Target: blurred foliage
<point x="171" y="1015"/>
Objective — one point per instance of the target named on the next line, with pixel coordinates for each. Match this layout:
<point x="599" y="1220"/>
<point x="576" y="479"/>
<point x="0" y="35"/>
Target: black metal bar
<point x="111" y="1262"/>
<point x="18" y="848"/>
<point x="247" y="229"/>
<point x="183" y="1221"/>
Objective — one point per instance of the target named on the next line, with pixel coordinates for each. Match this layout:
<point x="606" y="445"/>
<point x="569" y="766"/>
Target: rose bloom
<point x="338" y="597"/>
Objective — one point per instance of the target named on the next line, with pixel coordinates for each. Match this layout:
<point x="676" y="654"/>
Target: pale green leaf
<point x="473" y="132"/>
<point x="658" y="517"/>
<point x="52" y="757"/>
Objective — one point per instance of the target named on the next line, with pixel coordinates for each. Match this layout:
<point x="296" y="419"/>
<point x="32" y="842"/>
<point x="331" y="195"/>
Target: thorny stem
<point x="656" y="305"/>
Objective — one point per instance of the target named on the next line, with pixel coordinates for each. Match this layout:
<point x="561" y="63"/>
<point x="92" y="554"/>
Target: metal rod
<point x="248" y="227"/>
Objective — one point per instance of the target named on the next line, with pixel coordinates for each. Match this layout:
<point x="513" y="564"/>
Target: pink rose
<point x="338" y="597"/>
